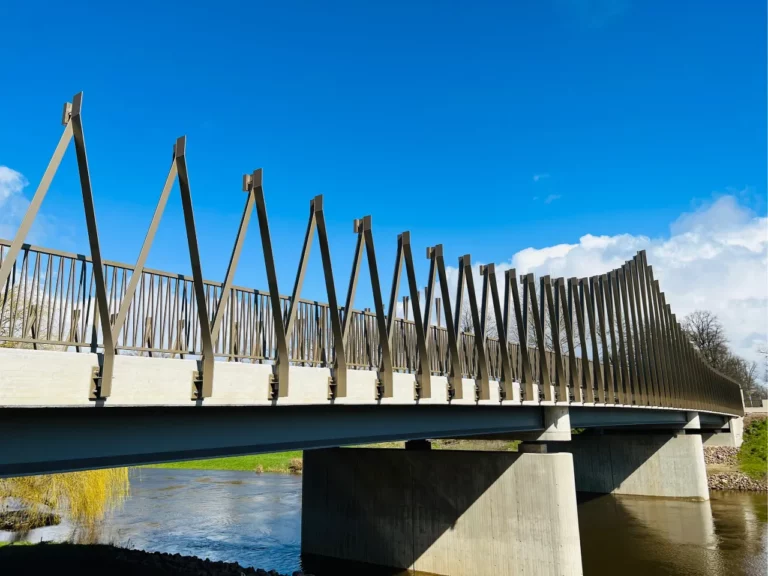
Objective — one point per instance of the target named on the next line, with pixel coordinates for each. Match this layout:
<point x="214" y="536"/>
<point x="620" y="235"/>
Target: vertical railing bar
<point x="632" y="373"/>
<point x="554" y="328"/>
<point x="598" y="294"/>
<point x="505" y="377"/>
<point x="538" y="327"/>
<point x="423" y="373"/>
<point x="655" y="333"/>
<point x="641" y="348"/>
<point x="566" y="302"/>
<point x="658" y="336"/>
<point x="511" y="288"/>
<point x="482" y="379"/>
<point x="455" y="383"/>
<point x="655" y="397"/>
<point x="613" y="328"/>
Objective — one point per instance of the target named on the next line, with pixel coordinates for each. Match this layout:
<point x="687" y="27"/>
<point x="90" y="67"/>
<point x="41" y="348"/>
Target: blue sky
<point x="488" y="126"/>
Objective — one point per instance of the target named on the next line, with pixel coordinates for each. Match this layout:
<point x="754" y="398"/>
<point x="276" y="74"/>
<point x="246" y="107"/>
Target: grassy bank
<point x="753" y="456"/>
<point x="290" y="462"/>
<point x="281" y="462"/>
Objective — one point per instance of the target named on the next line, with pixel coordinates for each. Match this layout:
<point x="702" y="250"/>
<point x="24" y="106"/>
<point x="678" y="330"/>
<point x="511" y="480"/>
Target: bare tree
<point x="706" y="333"/>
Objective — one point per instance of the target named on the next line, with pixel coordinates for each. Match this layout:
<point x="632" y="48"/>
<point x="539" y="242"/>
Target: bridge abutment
<point x="667" y="465"/>
<point x="443" y="512"/>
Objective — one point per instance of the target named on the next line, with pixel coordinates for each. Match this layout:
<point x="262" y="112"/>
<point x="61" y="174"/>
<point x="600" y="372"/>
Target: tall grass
<point x="85" y="497"/>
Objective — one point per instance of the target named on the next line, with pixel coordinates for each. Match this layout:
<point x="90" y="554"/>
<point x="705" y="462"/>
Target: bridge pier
<point x="661" y="464"/>
<point x="443" y="512"/>
<point x="733" y="437"/>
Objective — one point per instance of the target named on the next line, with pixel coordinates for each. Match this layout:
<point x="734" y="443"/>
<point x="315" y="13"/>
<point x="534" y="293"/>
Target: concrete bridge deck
<point x="50" y="424"/>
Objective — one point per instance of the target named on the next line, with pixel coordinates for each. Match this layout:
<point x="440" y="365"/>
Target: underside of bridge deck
<point x="40" y="440"/>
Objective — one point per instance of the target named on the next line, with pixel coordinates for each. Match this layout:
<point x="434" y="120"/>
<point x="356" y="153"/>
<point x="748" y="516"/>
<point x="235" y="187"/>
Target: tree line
<point x="707" y="334"/>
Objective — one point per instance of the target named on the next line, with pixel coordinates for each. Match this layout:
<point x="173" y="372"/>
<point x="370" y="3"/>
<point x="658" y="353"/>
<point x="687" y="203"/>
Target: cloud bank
<point x="715" y="258"/>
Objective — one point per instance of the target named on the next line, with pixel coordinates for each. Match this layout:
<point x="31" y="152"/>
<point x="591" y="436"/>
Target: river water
<point x="256" y="520"/>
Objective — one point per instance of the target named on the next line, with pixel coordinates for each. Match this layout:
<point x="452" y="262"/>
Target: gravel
<point x="735" y="481"/>
<point x="721" y="455"/>
<point x="85" y="559"/>
<point x="726" y="456"/>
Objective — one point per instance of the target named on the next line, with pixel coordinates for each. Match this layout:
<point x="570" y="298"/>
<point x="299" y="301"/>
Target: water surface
<point x="255" y="520"/>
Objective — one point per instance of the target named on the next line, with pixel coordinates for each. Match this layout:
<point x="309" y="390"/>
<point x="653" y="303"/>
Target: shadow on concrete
<point x="445" y="512"/>
<point x="604" y="462"/>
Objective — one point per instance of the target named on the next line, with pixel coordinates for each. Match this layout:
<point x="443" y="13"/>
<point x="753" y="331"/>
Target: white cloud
<point x="715" y="258"/>
<point x="13" y="206"/>
<point x="12" y="200"/>
<point x="538" y="177"/>
<point x="551" y="198"/>
<point x="11" y="184"/>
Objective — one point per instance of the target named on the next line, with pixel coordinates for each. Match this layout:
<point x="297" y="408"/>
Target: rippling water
<point x="256" y="520"/>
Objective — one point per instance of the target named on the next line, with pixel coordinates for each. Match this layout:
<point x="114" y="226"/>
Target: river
<point x="256" y="520"/>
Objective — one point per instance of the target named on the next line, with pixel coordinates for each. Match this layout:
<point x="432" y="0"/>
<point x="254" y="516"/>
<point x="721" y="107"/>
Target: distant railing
<point x="609" y="339"/>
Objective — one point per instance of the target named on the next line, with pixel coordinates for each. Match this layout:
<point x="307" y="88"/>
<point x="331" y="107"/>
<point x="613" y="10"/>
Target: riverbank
<point x="279" y="462"/>
<point x="723" y="472"/>
<point x="742" y="468"/>
<point x="292" y="462"/>
<point x="24" y="558"/>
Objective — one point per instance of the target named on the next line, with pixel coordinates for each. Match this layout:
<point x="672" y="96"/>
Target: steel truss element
<point x="482" y="384"/>
<point x="73" y="129"/>
<point x="365" y="241"/>
<point x="510" y="288"/>
<point x="455" y="386"/>
<point x="624" y="344"/>
<point x="506" y="390"/>
<point x="337" y="386"/>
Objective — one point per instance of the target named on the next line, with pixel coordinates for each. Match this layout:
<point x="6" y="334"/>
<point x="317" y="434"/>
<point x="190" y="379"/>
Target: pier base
<point x="443" y="512"/>
<point x="661" y="465"/>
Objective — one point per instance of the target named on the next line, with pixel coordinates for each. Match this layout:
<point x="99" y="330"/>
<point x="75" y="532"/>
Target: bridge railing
<point x="608" y="339"/>
<point x="49" y="303"/>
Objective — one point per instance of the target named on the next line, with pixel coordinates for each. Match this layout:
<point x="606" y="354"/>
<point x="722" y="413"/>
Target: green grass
<point x="753" y="455"/>
<point x="277" y="462"/>
<point x="281" y="461"/>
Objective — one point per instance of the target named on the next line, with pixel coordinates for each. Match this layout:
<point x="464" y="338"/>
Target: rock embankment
<point x="735" y="481"/>
<point x="724" y="455"/>
<point x="723" y="473"/>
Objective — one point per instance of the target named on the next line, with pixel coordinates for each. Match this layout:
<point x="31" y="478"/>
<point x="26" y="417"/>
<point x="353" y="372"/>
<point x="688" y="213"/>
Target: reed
<point x="85" y="497"/>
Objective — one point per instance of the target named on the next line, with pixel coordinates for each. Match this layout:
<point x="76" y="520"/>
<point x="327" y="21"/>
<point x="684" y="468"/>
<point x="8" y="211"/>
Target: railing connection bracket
<point x="197" y="385"/>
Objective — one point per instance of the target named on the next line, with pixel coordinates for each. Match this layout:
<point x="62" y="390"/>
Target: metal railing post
<point x="455" y="382"/>
<point x="507" y="379"/>
<point x="511" y="289"/>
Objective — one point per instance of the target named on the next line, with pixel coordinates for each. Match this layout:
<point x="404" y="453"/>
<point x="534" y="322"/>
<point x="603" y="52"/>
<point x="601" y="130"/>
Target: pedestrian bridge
<point x="93" y="345"/>
<point x="106" y="364"/>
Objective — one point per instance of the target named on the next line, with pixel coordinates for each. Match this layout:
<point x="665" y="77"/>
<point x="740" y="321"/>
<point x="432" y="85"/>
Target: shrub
<point x="296" y="465"/>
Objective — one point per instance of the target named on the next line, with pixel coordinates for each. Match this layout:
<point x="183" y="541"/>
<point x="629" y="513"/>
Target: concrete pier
<point x="443" y="512"/>
<point x="668" y="465"/>
<point x="733" y="437"/>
